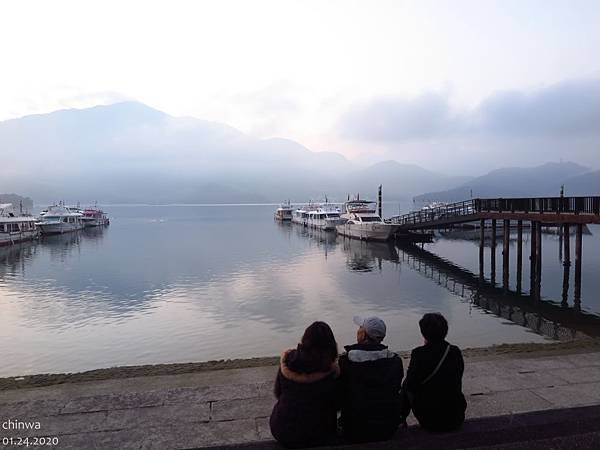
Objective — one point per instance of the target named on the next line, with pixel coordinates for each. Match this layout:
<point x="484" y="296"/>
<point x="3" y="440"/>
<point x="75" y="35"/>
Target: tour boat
<point x="60" y="219"/>
<point x="362" y="222"/>
<point x="324" y="216"/>
<point x="300" y="215"/>
<point x="284" y="212"/>
<point x="16" y="228"/>
<point x="94" y="217"/>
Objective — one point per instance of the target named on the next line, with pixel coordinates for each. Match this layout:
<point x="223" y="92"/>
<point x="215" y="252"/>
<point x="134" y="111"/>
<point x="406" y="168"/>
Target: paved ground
<point x="226" y="407"/>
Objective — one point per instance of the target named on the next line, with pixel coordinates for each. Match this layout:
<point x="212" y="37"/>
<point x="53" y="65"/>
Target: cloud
<point x="399" y="119"/>
<point x="566" y="110"/>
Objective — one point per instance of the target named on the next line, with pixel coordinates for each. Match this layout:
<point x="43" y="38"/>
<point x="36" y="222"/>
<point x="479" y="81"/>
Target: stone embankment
<point x="152" y="409"/>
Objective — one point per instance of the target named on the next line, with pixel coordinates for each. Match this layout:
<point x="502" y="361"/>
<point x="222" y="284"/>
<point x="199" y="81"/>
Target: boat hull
<point x="59" y="228"/>
<point x="326" y="225"/>
<point x="16" y="237"/>
<point x="300" y="220"/>
<point x="367" y="231"/>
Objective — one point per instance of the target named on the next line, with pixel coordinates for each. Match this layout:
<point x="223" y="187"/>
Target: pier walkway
<point x="230" y="407"/>
<point x="563" y="212"/>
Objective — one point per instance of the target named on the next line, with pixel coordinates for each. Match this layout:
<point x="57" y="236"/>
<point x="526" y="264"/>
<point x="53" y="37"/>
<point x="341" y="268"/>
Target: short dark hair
<point x="434" y="327"/>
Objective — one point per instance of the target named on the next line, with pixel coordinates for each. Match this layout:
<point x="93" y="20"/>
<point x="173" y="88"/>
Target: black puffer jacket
<point x="438" y="404"/>
<point x="370" y="380"/>
<point x="305" y="412"/>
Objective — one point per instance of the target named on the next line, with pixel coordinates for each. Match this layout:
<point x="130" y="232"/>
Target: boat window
<point x="370" y="219"/>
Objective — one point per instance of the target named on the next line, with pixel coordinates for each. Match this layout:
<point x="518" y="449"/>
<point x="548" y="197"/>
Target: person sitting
<point x="433" y="384"/>
<point x="305" y="413"/>
<point x="370" y="381"/>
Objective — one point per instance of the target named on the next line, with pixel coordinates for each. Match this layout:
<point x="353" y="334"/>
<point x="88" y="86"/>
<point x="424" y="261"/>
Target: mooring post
<point x="505" y="254"/>
<point x="532" y="258"/>
<point x="578" y="250"/>
<point x="567" y="245"/>
<point x="519" y="255"/>
<point x="538" y="262"/>
<point x="493" y="254"/>
<point x="566" y="263"/>
<point x="481" y="247"/>
<point x="560" y="243"/>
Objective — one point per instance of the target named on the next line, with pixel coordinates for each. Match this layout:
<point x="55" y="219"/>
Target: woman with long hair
<point x="305" y="412"/>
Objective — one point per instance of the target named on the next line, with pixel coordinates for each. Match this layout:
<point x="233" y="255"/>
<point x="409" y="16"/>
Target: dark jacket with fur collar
<point x="370" y="380"/>
<point x="305" y="412"/>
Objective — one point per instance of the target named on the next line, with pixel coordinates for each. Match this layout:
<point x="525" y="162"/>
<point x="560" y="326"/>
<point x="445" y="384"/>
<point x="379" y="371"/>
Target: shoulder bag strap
<point x="432" y="374"/>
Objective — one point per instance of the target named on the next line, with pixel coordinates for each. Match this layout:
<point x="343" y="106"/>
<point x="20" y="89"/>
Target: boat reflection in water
<point x="547" y="318"/>
<point x="364" y="256"/>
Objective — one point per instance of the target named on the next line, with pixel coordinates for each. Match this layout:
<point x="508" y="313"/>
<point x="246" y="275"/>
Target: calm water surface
<point x="168" y="284"/>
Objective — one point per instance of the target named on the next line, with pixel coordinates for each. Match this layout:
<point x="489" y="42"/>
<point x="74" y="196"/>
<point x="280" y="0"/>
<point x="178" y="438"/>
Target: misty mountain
<point x="129" y="152"/>
<point x="544" y="180"/>
<point x="17" y="201"/>
<point x="400" y="181"/>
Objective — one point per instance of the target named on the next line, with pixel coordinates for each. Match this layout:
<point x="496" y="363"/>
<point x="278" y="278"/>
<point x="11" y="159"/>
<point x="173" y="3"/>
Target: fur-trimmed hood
<point x="305" y="377"/>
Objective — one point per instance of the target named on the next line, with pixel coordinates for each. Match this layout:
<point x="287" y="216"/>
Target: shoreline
<point x="122" y="372"/>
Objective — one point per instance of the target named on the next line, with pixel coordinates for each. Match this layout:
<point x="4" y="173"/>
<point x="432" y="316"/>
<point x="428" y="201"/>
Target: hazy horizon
<point x="460" y="88"/>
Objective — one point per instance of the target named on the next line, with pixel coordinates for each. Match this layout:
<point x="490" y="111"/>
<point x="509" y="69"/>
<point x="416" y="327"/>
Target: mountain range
<point x="131" y="153"/>
<point x="128" y="152"/>
<point x="544" y="180"/>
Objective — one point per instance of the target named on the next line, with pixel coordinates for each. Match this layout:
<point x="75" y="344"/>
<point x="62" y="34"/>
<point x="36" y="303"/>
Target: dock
<point x="562" y="212"/>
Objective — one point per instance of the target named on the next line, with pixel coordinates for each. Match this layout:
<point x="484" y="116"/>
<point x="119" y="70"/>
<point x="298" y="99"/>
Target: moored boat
<point x="16" y="228"/>
<point x="324" y="216"/>
<point x="362" y="222"/>
<point x="94" y="217"/>
<point x="300" y="215"/>
<point x="59" y="220"/>
<point x="284" y="212"/>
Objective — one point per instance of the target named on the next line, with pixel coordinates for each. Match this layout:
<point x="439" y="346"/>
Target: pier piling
<point x="481" y="248"/>
<point x="493" y="254"/>
<point x="538" y="261"/>
<point x="532" y="258"/>
<point x="505" y="254"/>
<point x="566" y="254"/>
<point x="578" y="242"/>
<point x="519" y="255"/>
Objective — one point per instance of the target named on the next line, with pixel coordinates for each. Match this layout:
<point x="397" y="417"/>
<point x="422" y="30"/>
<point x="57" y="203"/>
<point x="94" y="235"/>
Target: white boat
<point x="300" y="215"/>
<point x="284" y="212"/>
<point x="94" y="217"/>
<point x="59" y="220"/>
<point x="324" y="216"/>
<point x="16" y="228"/>
<point x="362" y="222"/>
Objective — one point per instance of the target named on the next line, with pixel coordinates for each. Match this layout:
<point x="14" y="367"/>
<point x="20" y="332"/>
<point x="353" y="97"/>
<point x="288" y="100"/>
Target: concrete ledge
<point x="559" y="428"/>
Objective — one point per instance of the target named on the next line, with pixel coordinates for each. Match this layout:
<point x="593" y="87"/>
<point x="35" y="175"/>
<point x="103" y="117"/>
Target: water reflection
<point x="543" y="317"/>
<point x="364" y="256"/>
<point x="172" y="284"/>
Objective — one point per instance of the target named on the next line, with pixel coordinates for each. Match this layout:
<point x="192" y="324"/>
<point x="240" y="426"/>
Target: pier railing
<point x="568" y="205"/>
<point x="449" y="211"/>
<point x="462" y="211"/>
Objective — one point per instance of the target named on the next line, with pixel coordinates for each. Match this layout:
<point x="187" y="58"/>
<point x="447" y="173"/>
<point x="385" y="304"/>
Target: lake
<point x="165" y="284"/>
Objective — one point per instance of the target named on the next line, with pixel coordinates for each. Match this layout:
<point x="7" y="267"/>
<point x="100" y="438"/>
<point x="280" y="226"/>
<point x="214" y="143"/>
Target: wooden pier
<point x="562" y="212"/>
<point x="545" y="318"/>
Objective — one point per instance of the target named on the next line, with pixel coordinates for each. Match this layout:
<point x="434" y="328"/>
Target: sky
<point x="459" y="86"/>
